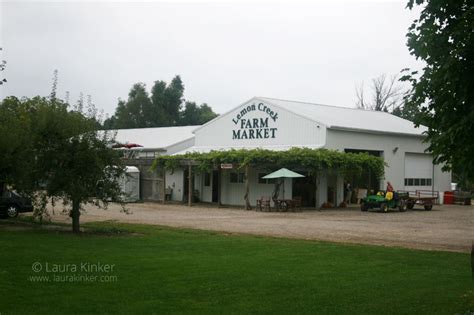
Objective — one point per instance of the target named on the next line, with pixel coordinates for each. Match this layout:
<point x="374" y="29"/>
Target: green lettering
<point x="255" y="123"/>
<point x="235" y="134"/>
<point x="273" y="132"/>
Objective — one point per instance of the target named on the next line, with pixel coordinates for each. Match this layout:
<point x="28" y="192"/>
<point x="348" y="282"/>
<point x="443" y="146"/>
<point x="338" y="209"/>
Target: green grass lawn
<point x="162" y="270"/>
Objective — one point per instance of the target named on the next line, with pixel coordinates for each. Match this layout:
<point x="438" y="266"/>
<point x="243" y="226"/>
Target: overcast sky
<point x="225" y="53"/>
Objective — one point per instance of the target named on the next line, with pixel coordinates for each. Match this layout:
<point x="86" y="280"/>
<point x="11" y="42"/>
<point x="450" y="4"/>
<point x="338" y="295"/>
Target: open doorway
<point x="305" y="187"/>
<point x="215" y="186"/>
<point x="367" y="180"/>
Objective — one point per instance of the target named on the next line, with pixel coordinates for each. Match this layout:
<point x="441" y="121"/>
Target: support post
<point x="219" y="186"/>
<point x="246" y="197"/>
<point x="190" y="185"/>
<point x="316" y="184"/>
<point x="164" y="185"/>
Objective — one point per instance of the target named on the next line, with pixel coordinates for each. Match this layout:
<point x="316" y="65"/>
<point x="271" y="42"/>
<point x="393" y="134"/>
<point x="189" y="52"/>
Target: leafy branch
<point x="314" y="160"/>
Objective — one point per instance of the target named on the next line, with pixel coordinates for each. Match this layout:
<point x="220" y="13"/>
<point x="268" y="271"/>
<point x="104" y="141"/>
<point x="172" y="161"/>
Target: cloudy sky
<point x="225" y="52"/>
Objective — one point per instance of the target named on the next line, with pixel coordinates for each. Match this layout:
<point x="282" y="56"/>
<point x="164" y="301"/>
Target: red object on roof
<point x="126" y="145"/>
<point x="132" y="145"/>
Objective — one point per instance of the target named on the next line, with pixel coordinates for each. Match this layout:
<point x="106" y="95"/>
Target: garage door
<point x="418" y="171"/>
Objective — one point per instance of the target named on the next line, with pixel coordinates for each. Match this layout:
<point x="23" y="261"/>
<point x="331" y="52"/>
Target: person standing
<point x="389" y="187"/>
<point x="348" y="190"/>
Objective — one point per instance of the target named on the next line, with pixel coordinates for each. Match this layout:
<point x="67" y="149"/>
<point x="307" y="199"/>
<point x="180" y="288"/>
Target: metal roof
<point x="345" y="118"/>
<point x="155" y="138"/>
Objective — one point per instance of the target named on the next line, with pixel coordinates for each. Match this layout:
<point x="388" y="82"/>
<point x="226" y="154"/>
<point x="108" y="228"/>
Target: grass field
<point x="160" y="270"/>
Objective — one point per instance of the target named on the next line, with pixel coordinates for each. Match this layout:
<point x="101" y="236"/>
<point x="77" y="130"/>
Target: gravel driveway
<point x="444" y="228"/>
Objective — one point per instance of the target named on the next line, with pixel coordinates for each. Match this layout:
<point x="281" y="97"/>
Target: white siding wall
<point x="175" y="181"/>
<point x="322" y="188"/>
<point x="292" y="129"/>
<point x="233" y="193"/>
<point x="395" y="172"/>
<point x="207" y="191"/>
<point x="418" y="166"/>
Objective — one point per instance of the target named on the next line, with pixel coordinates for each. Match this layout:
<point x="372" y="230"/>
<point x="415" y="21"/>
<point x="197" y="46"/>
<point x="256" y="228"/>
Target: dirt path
<point x="444" y="228"/>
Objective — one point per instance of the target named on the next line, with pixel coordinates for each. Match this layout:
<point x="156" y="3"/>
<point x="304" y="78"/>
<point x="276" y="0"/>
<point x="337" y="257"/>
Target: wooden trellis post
<point x="164" y="185"/>
<point x="219" y="186"/>
<point x="190" y="185"/>
<point x="246" y="197"/>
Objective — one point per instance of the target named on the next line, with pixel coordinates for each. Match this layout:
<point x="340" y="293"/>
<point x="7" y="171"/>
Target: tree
<point x="206" y="114"/>
<point x="3" y="65"/>
<point x="51" y="152"/>
<point x="444" y="90"/>
<point x="135" y="112"/>
<point x="196" y="115"/>
<point x="406" y="111"/>
<point x="162" y="108"/>
<point x="15" y="142"/>
<point x="386" y="94"/>
<point x="158" y="101"/>
<point x="54" y="87"/>
<point x="173" y="97"/>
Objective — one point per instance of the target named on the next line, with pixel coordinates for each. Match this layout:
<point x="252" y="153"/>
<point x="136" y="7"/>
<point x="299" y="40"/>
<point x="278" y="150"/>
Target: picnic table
<point x="263" y="204"/>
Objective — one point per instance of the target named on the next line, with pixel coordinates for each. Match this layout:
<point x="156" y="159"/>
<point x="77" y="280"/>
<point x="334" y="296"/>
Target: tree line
<point x="162" y="107"/>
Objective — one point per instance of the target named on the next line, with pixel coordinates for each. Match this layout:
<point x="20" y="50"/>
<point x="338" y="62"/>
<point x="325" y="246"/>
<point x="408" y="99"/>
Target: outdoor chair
<point x="297" y="202"/>
<point x="263" y="204"/>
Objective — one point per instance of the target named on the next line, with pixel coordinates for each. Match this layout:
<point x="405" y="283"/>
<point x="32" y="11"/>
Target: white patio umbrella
<point x="283" y="173"/>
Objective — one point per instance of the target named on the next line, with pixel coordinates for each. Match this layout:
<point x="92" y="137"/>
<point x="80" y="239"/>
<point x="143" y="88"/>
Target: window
<point x="207" y="179"/>
<point x="418" y="181"/>
<point x="237" y="177"/>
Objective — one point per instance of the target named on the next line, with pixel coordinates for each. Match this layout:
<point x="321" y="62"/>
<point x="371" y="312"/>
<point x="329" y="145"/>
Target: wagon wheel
<point x="402" y="206"/>
<point x="428" y="207"/>
<point x="384" y="207"/>
<point x="410" y="204"/>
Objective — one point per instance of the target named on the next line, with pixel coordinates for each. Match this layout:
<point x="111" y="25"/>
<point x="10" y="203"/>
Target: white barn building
<point x="276" y="124"/>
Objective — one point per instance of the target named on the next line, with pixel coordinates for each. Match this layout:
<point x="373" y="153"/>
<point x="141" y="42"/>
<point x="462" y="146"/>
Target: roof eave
<point x="143" y="149"/>
<point x="421" y="135"/>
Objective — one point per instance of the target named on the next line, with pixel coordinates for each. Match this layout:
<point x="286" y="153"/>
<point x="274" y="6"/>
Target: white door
<point x="418" y="171"/>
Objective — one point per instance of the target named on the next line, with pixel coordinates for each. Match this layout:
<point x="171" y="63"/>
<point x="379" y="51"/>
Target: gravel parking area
<point x="444" y="228"/>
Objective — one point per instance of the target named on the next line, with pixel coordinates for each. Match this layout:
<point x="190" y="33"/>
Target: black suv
<point x="12" y="203"/>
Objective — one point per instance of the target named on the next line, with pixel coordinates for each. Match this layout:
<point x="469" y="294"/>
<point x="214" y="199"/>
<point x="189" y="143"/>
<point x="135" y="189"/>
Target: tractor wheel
<point x="364" y="207"/>
<point x="402" y="206"/>
<point x="410" y="205"/>
<point x="428" y="207"/>
<point x="384" y="207"/>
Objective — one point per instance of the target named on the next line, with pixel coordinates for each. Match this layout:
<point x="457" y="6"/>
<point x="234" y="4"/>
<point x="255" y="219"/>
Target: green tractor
<point x="384" y="201"/>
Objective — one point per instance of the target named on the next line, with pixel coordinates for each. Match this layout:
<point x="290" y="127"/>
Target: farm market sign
<point x="254" y="128"/>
